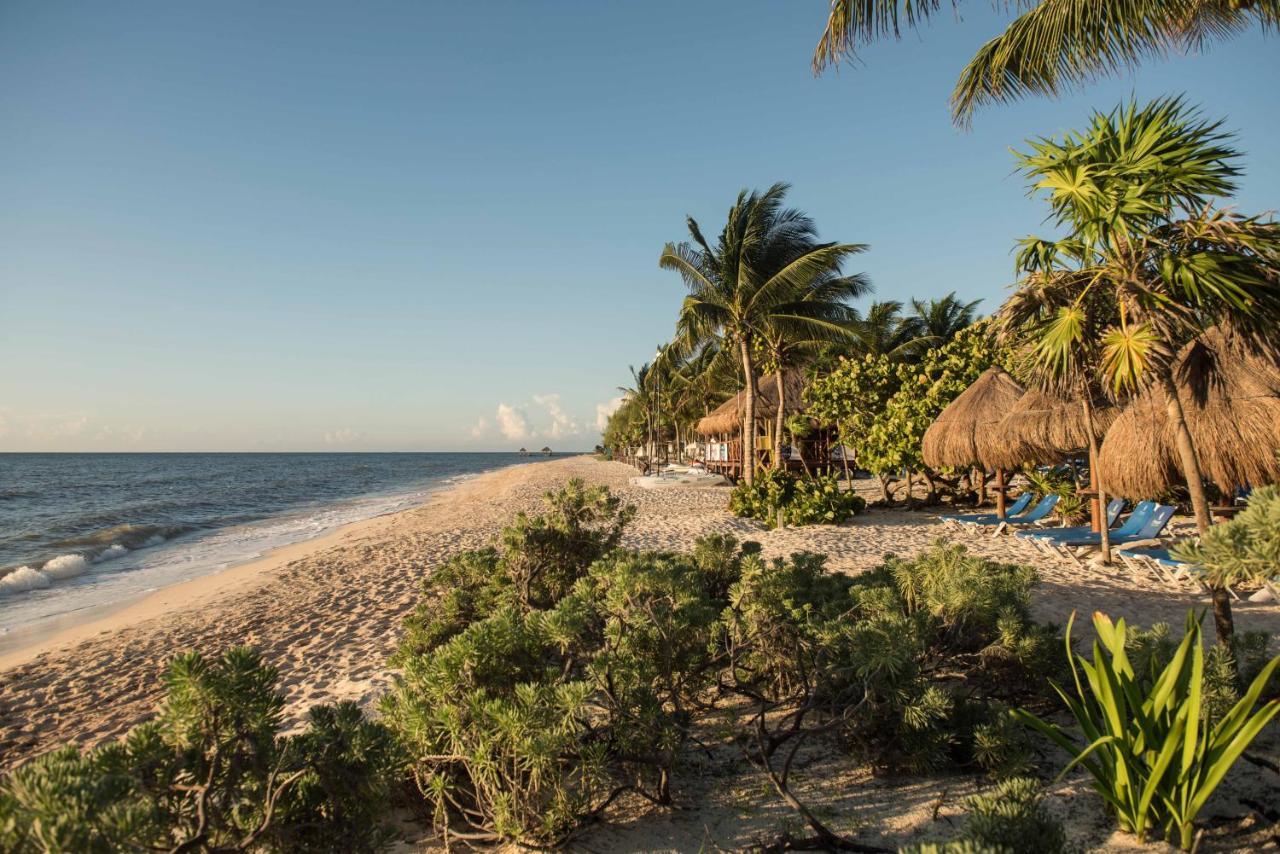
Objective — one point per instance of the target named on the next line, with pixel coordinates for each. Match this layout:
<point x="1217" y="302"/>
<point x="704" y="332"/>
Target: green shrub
<point x="526" y="715"/>
<point x="778" y="494"/>
<point x="1154" y="755"/>
<point x="1013" y="817"/>
<point x="537" y="561"/>
<point x="873" y="650"/>
<point x="211" y="773"/>
<point x="1243" y="550"/>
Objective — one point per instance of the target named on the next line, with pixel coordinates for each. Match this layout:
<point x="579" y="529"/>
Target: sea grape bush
<point x="779" y="496"/>
<point x="211" y="773"/>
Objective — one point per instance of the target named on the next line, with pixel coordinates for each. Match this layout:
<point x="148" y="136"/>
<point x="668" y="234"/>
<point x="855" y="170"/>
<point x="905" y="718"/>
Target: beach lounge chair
<point x="1167" y="569"/>
<point x="1150" y="530"/>
<point x="1041" y="537"/>
<point x="1018" y="506"/>
<point x="1032" y="517"/>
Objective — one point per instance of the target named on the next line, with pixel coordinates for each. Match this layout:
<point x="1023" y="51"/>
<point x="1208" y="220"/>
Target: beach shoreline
<point x="327" y="613"/>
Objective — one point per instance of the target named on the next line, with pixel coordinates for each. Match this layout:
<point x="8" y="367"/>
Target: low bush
<point x="211" y="773"/>
<point x="779" y="497"/>
<point x="1154" y="753"/>
<point x="1008" y="820"/>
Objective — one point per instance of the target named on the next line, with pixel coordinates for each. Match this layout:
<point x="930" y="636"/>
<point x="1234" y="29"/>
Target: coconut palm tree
<point x="764" y="255"/>
<point x="1147" y="263"/>
<point x="939" y="320"/>
<point x="818" y="315"/>
<point x="1054" y="45"/>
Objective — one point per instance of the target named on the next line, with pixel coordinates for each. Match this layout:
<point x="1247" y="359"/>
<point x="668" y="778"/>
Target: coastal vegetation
<point x="547" y="676"/>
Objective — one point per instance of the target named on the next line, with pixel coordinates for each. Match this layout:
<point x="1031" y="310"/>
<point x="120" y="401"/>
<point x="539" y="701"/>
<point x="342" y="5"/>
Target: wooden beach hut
<point x="1231" y="401"/>
<point x="952" y="439"/>
<point x="721" y="430"/>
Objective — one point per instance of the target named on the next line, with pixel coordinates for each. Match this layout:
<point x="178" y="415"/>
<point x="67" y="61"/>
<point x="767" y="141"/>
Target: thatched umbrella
<point x="1231" y="401"/>
<point x="727" y="417"/>
<point x="1040" y="429"/>
<point x="952" y="439"/>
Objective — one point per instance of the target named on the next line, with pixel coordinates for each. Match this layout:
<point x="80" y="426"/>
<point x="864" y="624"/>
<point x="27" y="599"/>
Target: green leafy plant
<point x="777" y="495"/>
<point x="211" y="773"/>
<point x="1155" y="758"/>
<point x="1245" y="550"/>
<point x="1007" y="820"/>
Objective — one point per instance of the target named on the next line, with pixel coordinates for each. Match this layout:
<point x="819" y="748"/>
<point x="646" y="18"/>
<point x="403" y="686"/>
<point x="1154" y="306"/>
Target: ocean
<point x="80" y="532"/>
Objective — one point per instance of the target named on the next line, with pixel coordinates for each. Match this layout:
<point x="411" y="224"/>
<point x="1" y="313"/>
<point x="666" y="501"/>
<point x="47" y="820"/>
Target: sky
<point x="435" y="226"/>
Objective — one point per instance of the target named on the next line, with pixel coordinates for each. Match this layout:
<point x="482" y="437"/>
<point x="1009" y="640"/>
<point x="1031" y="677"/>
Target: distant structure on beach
<point x="524" y="452"/>
<point x="546" y="452"/>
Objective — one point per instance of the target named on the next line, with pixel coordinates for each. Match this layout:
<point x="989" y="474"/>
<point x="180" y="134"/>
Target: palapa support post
<point x="1000" y="494"/>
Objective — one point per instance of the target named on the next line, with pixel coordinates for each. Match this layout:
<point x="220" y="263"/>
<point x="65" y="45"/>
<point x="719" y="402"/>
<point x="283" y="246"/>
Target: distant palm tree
<point x="885" y="331"/>
<point x="1054" y="45"/>
<point x="1145" y="246"/>
<point x="940" y="320"/>
<point x="765" y="254"/>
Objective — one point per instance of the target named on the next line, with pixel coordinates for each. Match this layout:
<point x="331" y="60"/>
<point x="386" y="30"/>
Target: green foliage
<point x="539" y="560"/>
<point x="1243" y="550"/>
<point x="1071" y="508"/>
<point x="527" y="715"/>
<point x="883" y="406"/>
<point x="869" y="650"/>
<point x="817" y="500"/>
<point x="1010" y="819"/>
<point x="211" y="773"/>
<point x="1154" y="755"/>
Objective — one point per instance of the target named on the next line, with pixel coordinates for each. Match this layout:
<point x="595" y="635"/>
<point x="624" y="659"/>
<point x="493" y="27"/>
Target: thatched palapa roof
<point x="727" y="417"/>
<point x="952" y="440"/>
<point x="1039" y="429"/>
<point x="1231" y="401"/>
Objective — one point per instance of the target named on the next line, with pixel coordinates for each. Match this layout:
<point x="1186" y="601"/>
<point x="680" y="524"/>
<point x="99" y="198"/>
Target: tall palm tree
<point x="885" y="331"/>
<point x="1054" y="45"/>
<point x="1133" y="193"/>
<point x="764" y="255"/>
<point x="818" y="314"/>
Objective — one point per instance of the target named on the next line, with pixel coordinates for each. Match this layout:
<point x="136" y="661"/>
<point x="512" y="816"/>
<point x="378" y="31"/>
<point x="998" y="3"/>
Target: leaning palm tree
<point x="1133" y="193"/>
<point x="765" y="254"/>
<point x="1054" y="45"/>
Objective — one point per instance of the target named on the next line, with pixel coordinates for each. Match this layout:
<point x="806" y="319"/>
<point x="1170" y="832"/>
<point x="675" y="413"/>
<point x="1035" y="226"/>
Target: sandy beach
<point x="327" y="613"/>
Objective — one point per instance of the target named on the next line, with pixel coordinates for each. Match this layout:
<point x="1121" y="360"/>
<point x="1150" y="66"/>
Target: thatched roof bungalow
<point x="952" y="439"/>
<point x="1231" y="401"/>
<point x="727" y="417"/>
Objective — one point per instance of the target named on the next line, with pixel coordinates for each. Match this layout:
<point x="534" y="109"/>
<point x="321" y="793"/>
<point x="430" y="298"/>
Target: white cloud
<point x="343" y="436"/>
<point x="481" y="429"/>
<point x="604" y="410"/>
<point x="561" y="423"/>
<point x="512" y="423"/>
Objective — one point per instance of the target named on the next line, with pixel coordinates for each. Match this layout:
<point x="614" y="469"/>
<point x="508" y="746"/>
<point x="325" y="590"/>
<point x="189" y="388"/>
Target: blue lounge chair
<point x="1151" y="530"/>
<point x="1024" y="500"/>
<point x="1114" y="507"/>
<point x="1032" y="517"/>
<point x="1137" y="520"/>
<point x="1167" y="569"/>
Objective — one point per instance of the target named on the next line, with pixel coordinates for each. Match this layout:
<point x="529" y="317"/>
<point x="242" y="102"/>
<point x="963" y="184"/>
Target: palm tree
<point x="1054" y="45"/>
<point x="885" y="331"/>
<point x="1145" y="246"/>
<point x="765" y="254"/>
<point x="818" y="314"/>
<point x="940" y="320"/>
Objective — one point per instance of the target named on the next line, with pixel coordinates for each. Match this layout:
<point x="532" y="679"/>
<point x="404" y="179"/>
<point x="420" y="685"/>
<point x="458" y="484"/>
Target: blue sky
<point x="431" y="226"/>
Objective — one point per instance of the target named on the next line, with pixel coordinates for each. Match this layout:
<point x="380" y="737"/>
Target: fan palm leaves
<point x="937" y="321"/>
<point x="764" y="256"/>
<point x="1053" y="45"/>
<point x="1147" y="264"/>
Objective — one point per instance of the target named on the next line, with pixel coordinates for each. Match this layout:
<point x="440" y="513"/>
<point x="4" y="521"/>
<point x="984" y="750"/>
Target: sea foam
<point x="25" y="579"/>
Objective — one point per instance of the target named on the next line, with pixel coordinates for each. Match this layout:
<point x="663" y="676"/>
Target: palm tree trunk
<point x="1095" y="480"/>
<point x="1223" y="621"/>
<point x="1000" y="501"/>
<point x="748" y="415"/>
<point x="778" y="422"/>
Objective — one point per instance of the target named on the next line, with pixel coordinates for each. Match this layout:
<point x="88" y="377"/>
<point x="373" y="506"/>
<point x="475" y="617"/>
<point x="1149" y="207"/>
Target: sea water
<point x="81" y="532"/>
